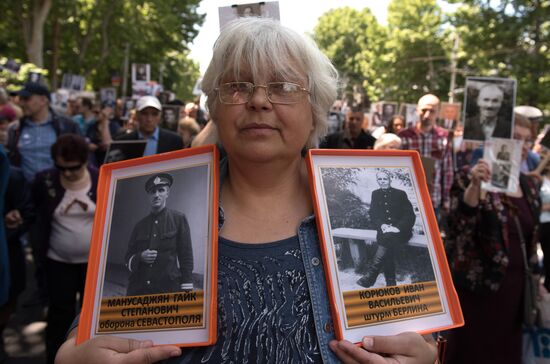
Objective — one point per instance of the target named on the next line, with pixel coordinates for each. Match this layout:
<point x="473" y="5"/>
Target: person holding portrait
<point x="269" y="90"/>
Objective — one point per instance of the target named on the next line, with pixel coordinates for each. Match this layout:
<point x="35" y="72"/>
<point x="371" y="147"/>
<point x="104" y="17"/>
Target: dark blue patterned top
<point x="264" y="308"/>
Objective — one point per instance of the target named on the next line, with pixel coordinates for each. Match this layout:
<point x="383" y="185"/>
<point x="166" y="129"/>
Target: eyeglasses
<point x="70" y="169"/>
<point x="235" y="93"/>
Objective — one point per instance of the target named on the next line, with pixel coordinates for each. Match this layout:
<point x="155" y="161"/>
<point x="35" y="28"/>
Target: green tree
<point x="508" y="39"/>
<point x="417" y="60"/>
<point x="89" y="37"/>
<point x="353" y="40"/>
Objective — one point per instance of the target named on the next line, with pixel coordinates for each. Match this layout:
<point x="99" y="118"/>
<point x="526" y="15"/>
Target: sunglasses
<point x="70" y="169"/>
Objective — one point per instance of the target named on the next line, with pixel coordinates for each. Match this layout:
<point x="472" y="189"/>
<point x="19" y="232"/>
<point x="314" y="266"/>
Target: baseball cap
<point x="34" y="88"/>
<point x="158" y="180"/>
<point x="148" y="101"/>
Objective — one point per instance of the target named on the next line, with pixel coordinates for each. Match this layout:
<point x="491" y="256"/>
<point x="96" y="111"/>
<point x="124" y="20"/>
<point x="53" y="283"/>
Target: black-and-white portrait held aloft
<point x="488" y="108"/>
<point x="376" y="226"/>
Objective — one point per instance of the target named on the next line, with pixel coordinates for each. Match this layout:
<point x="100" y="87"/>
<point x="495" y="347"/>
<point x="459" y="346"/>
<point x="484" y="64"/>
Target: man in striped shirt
<point x="432" y="141"/>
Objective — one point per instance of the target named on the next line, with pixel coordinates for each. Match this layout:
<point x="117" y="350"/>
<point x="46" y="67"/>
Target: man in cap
<point x="30" y="140"/>
<point x="160" y="254"/>
<point x="148" y="117"/>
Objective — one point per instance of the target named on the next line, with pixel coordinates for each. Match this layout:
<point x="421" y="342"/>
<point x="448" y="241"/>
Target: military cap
<point x="161" y="179"/>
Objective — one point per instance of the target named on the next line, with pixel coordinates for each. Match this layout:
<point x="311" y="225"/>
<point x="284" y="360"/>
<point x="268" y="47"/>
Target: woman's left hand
<point x="404" y="348"/>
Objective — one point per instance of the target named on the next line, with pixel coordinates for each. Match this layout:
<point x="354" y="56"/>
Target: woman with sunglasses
<point x="269" y="91"/>
<point x="65" y="201"/>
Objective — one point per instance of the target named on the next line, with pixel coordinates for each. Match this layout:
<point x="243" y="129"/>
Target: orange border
<point x="105" y="174"/>
<point x="449" y="289"/>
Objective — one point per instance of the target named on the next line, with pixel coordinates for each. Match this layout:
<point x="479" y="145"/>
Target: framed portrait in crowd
<point x="121" y="150"/>
<point x="389" y="109"/>
<point x="384" y="259"/>
<point x="141" y="72"/>
<point x="152" y="270"/>
<point x="170" y="117"/>
<point x="504" y="158"/>
<point x="449" y="115"/>
<point x="488" y="108"/>
<point x="409" y="112"/>
<point x="264" y="9"/>
<point x="107" y="95"/>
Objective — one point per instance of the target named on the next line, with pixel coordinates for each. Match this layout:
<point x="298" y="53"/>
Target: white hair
<point x="263" y="48"/>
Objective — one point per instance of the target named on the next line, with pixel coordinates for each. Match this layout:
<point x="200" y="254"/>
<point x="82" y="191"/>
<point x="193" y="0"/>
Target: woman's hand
<point x="114" y="350"/>
<point x="481" y="172"/>
<point x="405" y="348"/>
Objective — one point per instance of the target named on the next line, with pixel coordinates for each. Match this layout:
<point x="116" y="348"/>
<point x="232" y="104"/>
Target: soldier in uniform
<point x="160" y="255"/>
<point x="392" y="214"/>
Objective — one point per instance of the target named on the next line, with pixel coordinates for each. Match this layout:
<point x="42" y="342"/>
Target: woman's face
<point x="261" y="131"/>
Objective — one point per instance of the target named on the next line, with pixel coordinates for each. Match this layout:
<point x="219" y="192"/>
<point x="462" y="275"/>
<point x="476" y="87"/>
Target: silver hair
<point x="262" y="48"/>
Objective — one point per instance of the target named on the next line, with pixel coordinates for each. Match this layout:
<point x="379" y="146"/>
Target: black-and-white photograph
<point x="128" y="105"/>
<point x="409" y="112"/>
<point x="73" y="82"/>
<point x="170" y="117"/>
<point x="380" y="240"/>
<point x="488" y="108"/>
<point x="158" y="236"/>
<point x="141" y="72"/>
<point x="376" y="226"/>
<point x="504" y="157"/>
<point x="263" y="9"/>
<point x="107" y="94"/>
<point x="500" y="174"/>
<point x="389" y="109"/>
<point x="121" y="150"/>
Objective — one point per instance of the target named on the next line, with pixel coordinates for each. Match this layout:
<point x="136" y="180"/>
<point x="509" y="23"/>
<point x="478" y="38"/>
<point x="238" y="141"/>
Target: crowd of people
<point x="269" y="94"/>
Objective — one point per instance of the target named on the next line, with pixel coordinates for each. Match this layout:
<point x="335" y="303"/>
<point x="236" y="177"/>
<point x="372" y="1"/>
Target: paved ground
<point x="24" y="335"/>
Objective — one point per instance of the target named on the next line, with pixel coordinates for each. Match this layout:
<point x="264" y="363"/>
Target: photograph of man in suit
<point x="503" y="153"/>
<point x="148" y="115"/>
<point x="160" y="255"/>
<point x="488" y="122"/>
<point x="392" y="214"/>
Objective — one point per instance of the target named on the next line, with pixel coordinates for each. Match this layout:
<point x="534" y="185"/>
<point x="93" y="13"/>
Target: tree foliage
<point x="89" y="37"/>
<point x="411" y="55"/>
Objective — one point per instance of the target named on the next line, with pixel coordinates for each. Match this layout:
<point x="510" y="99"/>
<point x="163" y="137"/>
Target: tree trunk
<point x="55" y="54"/>
<point x="35" y="44"/>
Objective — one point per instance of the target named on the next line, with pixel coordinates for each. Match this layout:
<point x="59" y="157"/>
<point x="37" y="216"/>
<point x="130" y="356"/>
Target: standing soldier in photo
<point x="160" y="255"/>
<point x="392" y="214"/>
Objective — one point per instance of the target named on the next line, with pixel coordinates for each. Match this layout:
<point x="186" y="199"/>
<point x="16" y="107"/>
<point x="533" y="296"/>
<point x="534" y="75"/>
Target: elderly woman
<point x="484" y="246"/>
<point x="269" y="90"/>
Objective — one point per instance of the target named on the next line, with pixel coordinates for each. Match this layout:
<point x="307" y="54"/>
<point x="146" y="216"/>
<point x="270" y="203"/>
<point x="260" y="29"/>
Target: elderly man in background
<point x="353" y="136"/>
<point x="159" y="140"/>
<point x="488" y="123"/>
<point x="432" y="141"/>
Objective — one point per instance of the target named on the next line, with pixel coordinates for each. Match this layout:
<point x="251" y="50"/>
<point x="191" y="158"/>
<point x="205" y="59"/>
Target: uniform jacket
<point x="61" y="125"/>
<point x="168" y="140"/>
<point x="168" y="233"/>
<point x="392" y="206"/>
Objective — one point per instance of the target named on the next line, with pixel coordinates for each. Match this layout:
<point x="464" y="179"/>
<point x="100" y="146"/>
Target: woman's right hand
<point x="481" y="172"/>
<point x="113" y="350"/>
